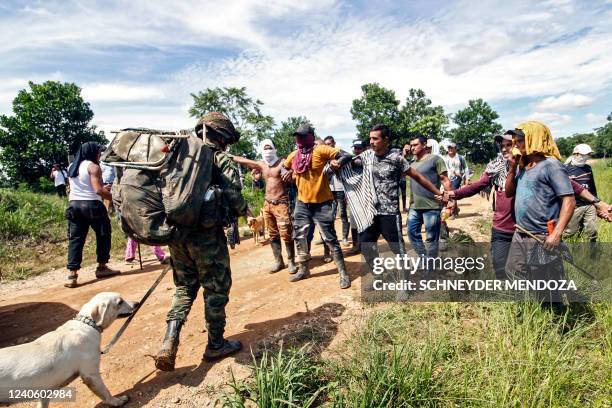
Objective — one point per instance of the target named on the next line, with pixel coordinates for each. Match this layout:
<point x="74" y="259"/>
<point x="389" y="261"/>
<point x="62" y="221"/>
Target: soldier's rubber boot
<point x="290" y="257"/>
<point x="345" y="282"/>
<point x="166" y="357"/>
<point x="303" y="272"/>
<point x="278" y="256"/>
<point x="218" y="348"/>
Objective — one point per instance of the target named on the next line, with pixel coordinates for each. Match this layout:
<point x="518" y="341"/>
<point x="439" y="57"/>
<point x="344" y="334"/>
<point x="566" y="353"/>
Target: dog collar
<point x="88" y="321"/>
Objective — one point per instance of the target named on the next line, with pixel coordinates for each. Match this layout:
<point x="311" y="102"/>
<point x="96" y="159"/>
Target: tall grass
<point x="448" y="355"/>
<point x="291" y="378"/>
<point x="33" y="234"/>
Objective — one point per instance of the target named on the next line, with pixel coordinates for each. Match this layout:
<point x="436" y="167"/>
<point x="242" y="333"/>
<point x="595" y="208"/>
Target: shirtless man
<point x="276" y="207"/>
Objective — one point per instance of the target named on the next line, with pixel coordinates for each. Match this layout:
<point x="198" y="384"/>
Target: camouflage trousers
<point x="202" y="259"/>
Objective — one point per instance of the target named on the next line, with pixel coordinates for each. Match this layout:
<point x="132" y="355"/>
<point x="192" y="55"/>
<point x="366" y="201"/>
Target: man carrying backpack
<point x="201" y="258"/>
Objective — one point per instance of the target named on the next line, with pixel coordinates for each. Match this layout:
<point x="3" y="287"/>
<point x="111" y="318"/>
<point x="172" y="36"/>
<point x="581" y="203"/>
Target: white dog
<point x="72" y="350"/>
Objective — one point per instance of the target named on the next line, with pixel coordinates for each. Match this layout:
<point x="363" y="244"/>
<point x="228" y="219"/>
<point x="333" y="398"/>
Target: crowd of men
<point x="318" y="181"/>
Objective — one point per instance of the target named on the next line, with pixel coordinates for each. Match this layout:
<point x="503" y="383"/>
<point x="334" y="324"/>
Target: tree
<point x="243" y="111"/>
<point x="283" y="138"/>
<point x="419" y="118"/>
<point x="475" y="130"/>
<point x="376" y="105"/>
<point x="603" y="142"/>
<point x="49" y="121"/>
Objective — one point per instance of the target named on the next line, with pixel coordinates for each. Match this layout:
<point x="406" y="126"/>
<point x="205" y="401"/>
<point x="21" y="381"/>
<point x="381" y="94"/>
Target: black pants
<point x="390" y="226"/>
<point x="81" y="215"/>
<point x="340" y="205"/>
<point x="61" y="190"/>
<point x="500" y="246"/>
<point x="304" y="216"/>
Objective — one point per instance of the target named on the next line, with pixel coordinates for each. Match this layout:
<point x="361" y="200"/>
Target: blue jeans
<point x="431" y="219"/>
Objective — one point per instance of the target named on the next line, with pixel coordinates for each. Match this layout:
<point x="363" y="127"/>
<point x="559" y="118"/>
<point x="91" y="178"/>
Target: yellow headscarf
<point x="538" y="139"/>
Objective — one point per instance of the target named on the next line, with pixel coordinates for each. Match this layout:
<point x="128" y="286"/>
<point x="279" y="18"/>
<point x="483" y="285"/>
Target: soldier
<point x="202" y="257"/>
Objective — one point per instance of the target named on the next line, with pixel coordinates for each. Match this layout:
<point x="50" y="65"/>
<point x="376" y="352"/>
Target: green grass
<point x="33" y="235"/>
<point x="447" y="355"/>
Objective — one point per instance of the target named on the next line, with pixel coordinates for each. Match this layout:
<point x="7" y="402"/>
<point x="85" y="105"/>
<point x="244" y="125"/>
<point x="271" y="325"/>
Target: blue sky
<point x="138" y="61"/>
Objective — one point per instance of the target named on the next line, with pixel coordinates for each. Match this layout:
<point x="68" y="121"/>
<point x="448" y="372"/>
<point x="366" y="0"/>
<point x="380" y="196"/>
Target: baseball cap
<point x="359" y="144"/>
<point x="449" y="144"/>
<point x="304" y="129"/>
<point x="505" y="136"/>
<point x="582" y="148"/>
<point x="516" y="132"/>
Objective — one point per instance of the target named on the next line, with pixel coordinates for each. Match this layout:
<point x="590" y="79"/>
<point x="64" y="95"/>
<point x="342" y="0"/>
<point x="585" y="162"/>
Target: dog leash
<point x="129" y="319"/>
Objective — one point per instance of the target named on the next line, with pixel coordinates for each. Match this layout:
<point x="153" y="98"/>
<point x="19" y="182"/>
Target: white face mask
<point x="269" y="156"/>
<point x="579" y="160"/>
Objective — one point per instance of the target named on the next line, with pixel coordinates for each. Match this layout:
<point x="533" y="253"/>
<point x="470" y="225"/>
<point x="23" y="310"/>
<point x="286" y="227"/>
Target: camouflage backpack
<point x="163" y="186"/>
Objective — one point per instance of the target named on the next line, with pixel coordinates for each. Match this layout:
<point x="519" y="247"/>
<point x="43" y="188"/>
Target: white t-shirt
<point x="59" y="177"/>
<point x="80" y="186"/>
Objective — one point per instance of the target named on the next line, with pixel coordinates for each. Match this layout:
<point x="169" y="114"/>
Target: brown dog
<point x="258" y="227"/>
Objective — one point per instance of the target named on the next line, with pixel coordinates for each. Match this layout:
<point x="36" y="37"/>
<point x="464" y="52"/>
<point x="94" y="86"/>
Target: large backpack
<point x="163" y="187"/>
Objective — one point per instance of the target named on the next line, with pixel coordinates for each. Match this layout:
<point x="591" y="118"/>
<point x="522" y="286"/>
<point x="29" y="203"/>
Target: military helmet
<point x="220" y="124"/>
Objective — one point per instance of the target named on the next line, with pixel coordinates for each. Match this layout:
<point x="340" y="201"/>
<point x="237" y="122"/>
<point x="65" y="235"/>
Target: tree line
<point x="51" y="120"/>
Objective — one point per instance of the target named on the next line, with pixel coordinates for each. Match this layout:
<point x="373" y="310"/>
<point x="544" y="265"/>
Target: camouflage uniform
<point x="202" y="258"/>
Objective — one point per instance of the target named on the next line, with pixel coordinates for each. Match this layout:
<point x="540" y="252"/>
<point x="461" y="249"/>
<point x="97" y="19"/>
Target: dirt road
<point x="264" y="309"/>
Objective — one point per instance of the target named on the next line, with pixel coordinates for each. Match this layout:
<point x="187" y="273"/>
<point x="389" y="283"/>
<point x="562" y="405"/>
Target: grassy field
<point x="450" y="355"/>
<point x="33" y="235"/>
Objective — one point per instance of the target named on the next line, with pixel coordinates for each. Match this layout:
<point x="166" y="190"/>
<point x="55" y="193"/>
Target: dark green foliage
<point x="283" y="136"/>
<point x="475" y="130"/>
<point x="416" y="118"/>
<point x="376" y="105"/>
<point x="600" y="141"/>
<point x="243" y="111"/>
<point x="49" y="121"/>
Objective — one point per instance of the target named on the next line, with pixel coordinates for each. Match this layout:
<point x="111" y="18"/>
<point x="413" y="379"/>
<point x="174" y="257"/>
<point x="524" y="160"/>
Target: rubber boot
<point x="290" y="257"/>
<point x="345" y="282"/>
<point x="355" y="248"/>
<point x="278" y="256"/>
<point x="303" y="272"/>
<point x="327" y="258"/>
<point x="166" y="357"/>
<point x="218" y="347"/>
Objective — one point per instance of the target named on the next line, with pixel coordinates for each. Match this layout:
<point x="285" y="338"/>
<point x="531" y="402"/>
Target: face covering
<point x="268" y="155"/>
<point x="579" y="160"/>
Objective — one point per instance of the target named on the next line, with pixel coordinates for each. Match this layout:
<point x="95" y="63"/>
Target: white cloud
<point x="459" y="53"/>
<point x="555" y="121"/>
<point x="595" y="119"/>
<point x="120" y="92"/>
<point x="565" y="101"/>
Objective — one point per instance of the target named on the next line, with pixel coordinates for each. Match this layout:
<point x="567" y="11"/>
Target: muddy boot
<point x="218" y="348"/>
<point x="290" y="257"/>
<point x="167" y="353"/>
<point x="278" y="256"/>
<point x="345" y="282"/>
<point x="327" y="258"/>
<point x="303" y="272"/>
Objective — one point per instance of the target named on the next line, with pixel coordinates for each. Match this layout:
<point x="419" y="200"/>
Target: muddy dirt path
<point x="264" y="309"/>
